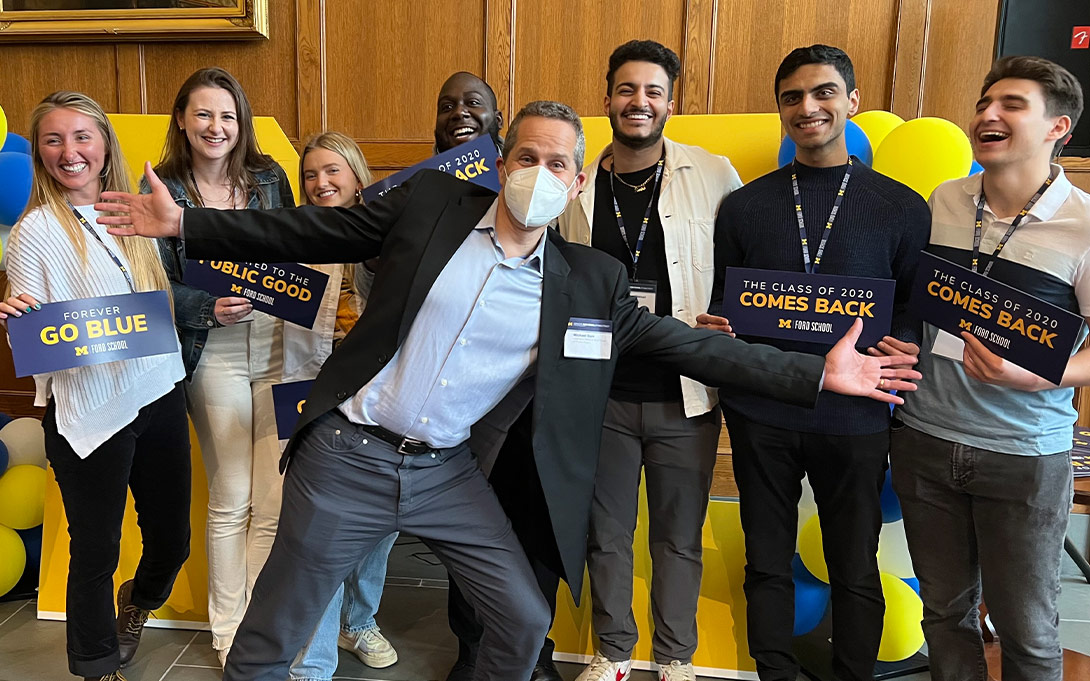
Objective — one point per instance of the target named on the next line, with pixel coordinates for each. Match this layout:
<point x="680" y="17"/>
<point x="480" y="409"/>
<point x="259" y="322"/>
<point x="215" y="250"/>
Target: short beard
<point x="637" y="143"/>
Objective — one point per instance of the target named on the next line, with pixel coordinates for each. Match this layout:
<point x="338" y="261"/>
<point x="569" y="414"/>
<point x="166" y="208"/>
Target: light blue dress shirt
<point x="474" y="339"/>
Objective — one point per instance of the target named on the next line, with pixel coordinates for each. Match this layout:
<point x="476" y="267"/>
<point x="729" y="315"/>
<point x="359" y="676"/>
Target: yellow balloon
<point x="877" y="124"/>
<point x="12" y="559"/>
<point x="902" y="634"/>
<point x="3" y="127"/>
<point x="811" y="550"/>
<point x="923" y="153"/>
<point x="22" y="497"/>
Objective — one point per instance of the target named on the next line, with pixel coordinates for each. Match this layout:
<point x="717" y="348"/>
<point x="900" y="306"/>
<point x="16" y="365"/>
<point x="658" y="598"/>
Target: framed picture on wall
<point x="113" y="20"/>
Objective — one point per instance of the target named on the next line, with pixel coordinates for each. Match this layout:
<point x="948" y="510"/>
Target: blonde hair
<point x="49" y="194"/>
<point x="341" y="144"/>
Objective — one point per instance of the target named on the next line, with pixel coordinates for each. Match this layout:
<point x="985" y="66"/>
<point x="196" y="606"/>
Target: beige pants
<point x="230" y="403"/>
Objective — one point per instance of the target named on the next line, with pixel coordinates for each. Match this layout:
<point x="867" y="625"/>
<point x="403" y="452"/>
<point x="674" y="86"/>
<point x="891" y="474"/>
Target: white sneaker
<point x="676" y="671"/>
<point x="370" y="646"/>
<point x="601" y="668"/>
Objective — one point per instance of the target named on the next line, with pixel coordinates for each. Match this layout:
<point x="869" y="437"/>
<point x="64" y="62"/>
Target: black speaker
<point x="1058" y="30"/>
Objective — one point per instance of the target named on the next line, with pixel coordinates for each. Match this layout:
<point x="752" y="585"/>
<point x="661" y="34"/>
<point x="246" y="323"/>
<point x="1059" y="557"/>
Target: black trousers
<point x="846" y="474"/>
<point x="514" y="479"/>
<point x="150" y="456"/>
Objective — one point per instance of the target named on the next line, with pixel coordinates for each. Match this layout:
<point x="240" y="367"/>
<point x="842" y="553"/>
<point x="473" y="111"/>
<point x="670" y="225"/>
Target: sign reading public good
<point x="474" y="161"/>
<point x="75" y="333"/>
<point x="287" y="290"/>
<point x="1036" y="335"/>
<point x="288" y="401"/>
<point x="815" y="308"/>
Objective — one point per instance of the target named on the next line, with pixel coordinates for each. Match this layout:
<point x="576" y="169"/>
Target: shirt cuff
<point x="181" y="225"/>
<point x="821" y="382"/>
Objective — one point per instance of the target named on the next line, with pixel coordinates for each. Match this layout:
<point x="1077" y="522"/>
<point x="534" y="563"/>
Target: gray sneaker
<point x="370" y="646"/>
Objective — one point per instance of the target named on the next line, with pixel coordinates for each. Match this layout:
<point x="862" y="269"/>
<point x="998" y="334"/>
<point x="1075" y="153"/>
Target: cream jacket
<point x="694" y="183"/>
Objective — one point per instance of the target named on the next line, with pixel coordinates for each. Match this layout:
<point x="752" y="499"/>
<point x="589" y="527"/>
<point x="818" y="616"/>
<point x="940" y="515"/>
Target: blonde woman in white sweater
<point x="109" y="428"/>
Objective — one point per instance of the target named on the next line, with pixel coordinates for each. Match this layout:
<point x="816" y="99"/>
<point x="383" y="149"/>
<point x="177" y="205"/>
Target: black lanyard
<point x="646" y="216"/>
<point x="979" y="227"/>
<point x="813" y="268"/>
<point x="113" y="256"/>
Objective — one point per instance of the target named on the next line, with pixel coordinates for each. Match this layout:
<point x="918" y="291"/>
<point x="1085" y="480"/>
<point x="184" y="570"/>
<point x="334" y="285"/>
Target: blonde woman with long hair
<point x="232" y="354"/>
<point x="333" y="172"/>
<point x="109" y="428"/>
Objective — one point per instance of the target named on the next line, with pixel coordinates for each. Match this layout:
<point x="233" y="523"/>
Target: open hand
<point x="710" y="321"/>
<point x="151" y="215"/>
<point x="850" y="373"/>
<point x="987" y="367"/>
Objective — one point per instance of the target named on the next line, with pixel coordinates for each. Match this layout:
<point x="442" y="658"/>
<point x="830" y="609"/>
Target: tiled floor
<point x="413" y="616"/>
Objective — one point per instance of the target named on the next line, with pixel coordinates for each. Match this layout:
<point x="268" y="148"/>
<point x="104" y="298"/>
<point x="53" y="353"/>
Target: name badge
<point x="644" y="291"/>
<point x="588" y="338"/>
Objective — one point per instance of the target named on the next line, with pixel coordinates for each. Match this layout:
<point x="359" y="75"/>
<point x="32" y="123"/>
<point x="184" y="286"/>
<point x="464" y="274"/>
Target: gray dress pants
<point x="345" y="490"/>
<point x="677" y="456"/>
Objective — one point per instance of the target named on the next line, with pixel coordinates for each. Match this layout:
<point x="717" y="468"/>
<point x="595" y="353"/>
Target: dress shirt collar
<point x="535" y="260"/>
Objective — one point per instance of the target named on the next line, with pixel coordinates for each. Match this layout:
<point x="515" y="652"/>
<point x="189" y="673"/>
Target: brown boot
<point x="130" y="623"/>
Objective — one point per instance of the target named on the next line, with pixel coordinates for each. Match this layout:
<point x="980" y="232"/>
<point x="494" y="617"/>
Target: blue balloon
<point x="811" y="598"/>
<point x="912" y="582"/>
<point x="975" y="168"/>
<point x="32" y="541"/>
<point x="3" y="457"/>
<point x="854" y="137"/>
<point x="16" y="143"/>
<point x="891" y="505"/>
<point x="5" y="420"/>
<point x="15" y="176"/>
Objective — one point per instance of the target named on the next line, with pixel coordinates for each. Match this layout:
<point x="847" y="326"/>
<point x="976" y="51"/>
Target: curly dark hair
<point x="644" y="50"/>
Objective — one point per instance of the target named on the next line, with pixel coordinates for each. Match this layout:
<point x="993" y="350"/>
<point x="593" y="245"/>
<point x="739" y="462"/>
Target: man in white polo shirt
<point x="982" y="464"/>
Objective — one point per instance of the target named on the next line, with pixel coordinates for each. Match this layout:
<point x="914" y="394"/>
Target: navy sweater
<point x="879" y="232"/>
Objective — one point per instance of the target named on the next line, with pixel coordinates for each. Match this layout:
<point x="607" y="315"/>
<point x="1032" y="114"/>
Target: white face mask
<point x="535" y="196"/>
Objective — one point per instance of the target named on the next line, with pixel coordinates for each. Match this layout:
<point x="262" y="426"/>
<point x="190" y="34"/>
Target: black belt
<point x="405" y="445"/>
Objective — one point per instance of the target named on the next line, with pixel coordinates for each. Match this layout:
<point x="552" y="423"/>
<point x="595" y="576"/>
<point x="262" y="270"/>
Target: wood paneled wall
<point x="373" y="69"/>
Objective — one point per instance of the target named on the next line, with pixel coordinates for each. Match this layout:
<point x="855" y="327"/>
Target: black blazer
<point x="414" y="230"/>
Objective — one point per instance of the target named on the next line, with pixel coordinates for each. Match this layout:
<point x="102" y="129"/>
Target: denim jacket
<point x="193" y="307"/>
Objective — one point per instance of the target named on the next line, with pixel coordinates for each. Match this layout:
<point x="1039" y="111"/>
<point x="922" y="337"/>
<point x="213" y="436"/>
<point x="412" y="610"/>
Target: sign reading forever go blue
<point x="288" y="401"/>
<point x="287" y="290"/>
<point x="1020" y="328"/>
<point x="815" y="308"/>
<point x="474" y="161"/>
<point x="75" y="333"/>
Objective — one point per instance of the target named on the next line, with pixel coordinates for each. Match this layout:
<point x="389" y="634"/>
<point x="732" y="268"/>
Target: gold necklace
<point x="635" y="187"/>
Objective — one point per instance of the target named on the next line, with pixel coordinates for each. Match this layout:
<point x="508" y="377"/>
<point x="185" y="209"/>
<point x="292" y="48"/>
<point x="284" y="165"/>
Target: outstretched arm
<point x="305" y="234"/>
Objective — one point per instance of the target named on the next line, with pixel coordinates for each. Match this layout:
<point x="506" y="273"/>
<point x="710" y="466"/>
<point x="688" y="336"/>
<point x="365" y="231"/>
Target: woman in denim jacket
<point x="232" y="354"/>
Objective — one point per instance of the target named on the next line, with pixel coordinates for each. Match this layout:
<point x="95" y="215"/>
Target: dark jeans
<point x="515" y="481"/>
<point x="345" y="490"/>
<point x="846" y="473"/>
<point x="979" y="521"/>
<point x="150" y="456"/>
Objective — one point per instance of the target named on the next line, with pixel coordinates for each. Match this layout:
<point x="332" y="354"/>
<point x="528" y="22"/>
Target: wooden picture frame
<point x="23" y="21"/>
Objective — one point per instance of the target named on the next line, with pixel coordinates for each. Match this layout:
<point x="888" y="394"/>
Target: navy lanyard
<point x="113" y="256"/>
<point x="979" y="227"/>
<point x="813" y="268"/>
<point x="646" y="215"/>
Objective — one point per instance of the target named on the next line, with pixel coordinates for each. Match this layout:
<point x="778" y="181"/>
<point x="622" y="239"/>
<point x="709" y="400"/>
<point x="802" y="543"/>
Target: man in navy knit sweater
<point x="842" y="444"/>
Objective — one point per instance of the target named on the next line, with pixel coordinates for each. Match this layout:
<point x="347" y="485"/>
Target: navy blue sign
<point x="286" y="290"/>
<point x="288" y="400"/>
<point x="1020" y="328"/>
<point x="473" y="161"/>
<point x="87" y="331"/>
<point x="815" y="308"/>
